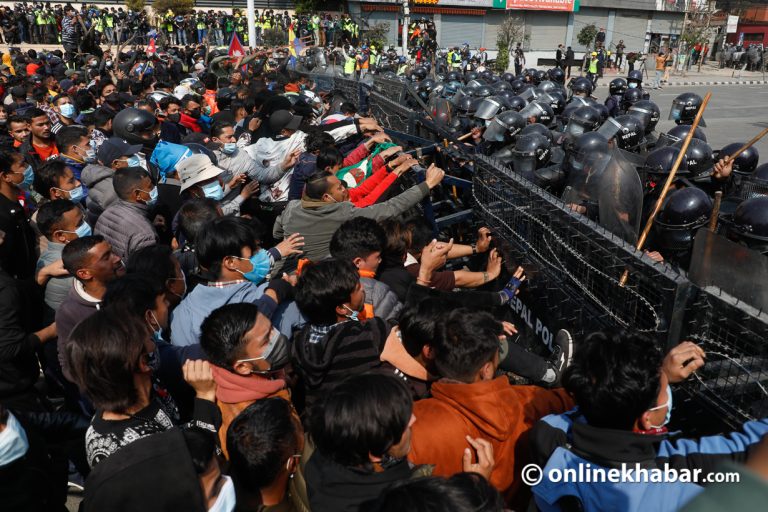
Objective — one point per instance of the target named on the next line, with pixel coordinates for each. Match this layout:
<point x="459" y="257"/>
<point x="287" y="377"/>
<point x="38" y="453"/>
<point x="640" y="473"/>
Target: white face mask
<point x="13" y="441"/>
<point x="225" y="501"/>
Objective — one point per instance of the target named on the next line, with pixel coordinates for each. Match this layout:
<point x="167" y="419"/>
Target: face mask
<point x="83" y="230"/>
<point x="29" y="178"/>
<point x="353" y="315"/>
<point x="76" y="194"/>
<point x="13" y="441"/>
<point x="152" y="196"/>
<point x="90" y="156"/>
<point x="668" y="405"/>
<point x="229" y="148"/>
<point x="278" y="352"/>
<point x="213" y="191"/>
<point x="225" y="501"/>
<point x="260" y="263"/>
<point x="195" y="114"/>
<point x="632" y="85"/>
<point x="134" y="161"/>
<point x="174" y="118"/>
<point x="67" y="110"/>
<point x="183" y="279"/>
<point x="112" y="98"/>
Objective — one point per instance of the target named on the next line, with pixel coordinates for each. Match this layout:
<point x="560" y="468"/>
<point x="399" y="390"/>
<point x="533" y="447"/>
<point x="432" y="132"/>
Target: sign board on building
<point x="733" y="23"/>
<point x="536" y="5"/>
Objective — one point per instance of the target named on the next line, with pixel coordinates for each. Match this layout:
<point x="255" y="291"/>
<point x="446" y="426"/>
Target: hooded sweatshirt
<point x="332" y="487"/>
<point x="494" y="410"/>
<point x="74" y="309"/>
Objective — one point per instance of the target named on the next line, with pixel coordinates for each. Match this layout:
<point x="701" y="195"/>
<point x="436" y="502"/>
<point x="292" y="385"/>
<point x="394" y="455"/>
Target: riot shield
<point x="735" y="269"/>
<point x="608" y="190"/>
<point x="440" y="109"/>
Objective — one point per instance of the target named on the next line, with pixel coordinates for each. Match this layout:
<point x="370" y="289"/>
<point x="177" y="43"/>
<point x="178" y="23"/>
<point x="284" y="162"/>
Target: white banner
<point x="733" y="23"/>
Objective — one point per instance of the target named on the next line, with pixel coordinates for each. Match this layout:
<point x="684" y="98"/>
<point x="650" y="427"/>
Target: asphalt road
<point x="735" y="113"/>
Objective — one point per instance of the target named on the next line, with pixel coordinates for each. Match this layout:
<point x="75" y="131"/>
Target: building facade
<point x="640" y="24"/>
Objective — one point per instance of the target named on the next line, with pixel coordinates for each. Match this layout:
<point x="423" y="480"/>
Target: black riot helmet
<point x="746" y="162"/>
<point x="488" y="107"/>
<point x="427" y="85"/>
<point x="504" y="127"/>
<point x="531" y="152"/>
<point x="537" y="128"/>
<point x="585" y="146"/>
<point x="557" y="75"/>
<point x="583" y="119"/>
<point x="699" y="158"/>
<point x="508" y="77"/>
<point x="470" y="75"/>
<point x="626" y="130"/>
<point x="547" y="86"/>
<point x="631" y="96"/>
<point x="420" y="73"/>
<point x="453" y="76"/>
<point x="466" y="105"/>
<point x="617" y="87"/>
<point x="501" y="85"/>
<point x="539" y="76"/>
<point x="749" y="224"/>
<point x="635" y="79"/>
<point x="557" y="102"/>
<point x="487" y="75"/>
<point x="683" y="213"/>
<point x="604" y="112"/>
<point x="685" y="107"/>
<point x="483" y="91"/>
<point x="648" y="111"/>
<point x="680" y="132"/>
<point x="516" y="103"/>
<point x="136" y="126"/>
<point x="538" y="112"/>
<point x="582" y="85"/>
<point x="658" y="165"/>
<point x="517" y="85"/>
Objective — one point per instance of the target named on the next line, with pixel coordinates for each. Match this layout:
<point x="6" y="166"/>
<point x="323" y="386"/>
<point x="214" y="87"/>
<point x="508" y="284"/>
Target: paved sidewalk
<point x="710" y="74"/>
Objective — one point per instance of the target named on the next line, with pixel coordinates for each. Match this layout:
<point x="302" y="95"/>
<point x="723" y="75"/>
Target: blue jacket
<point x="565" y="441"/>
<point x="202" y="300"/>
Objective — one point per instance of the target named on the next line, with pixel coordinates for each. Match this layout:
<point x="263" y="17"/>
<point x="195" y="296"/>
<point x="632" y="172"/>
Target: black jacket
<point x="335" y="488"/>
<point x="17" y="252"/>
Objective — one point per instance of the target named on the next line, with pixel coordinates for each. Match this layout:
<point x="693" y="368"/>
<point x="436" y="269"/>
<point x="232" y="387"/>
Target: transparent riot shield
<point x="607" y="189"/>
<point x="732" y="267"/>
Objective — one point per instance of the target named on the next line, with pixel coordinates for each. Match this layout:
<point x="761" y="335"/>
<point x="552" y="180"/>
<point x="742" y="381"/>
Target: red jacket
<point x="494" y="410"/>
<point x="189" y="123"/>
<point x="370" y="190"/>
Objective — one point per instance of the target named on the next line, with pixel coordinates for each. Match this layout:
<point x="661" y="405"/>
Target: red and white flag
<point x="151" y="48"/>
<point x="236" y="49"/>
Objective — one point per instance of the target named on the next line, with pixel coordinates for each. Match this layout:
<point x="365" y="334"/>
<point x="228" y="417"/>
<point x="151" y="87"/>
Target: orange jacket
<point x="494" y="410"/>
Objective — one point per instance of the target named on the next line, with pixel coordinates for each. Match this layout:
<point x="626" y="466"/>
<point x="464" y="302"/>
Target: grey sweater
<point x="317" y="220"/>
<point x="57" y="288"/>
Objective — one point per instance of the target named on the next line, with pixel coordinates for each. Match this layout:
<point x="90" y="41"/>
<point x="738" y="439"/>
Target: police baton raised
<point x="668" y="183"/>
<point x="746" y="146"/>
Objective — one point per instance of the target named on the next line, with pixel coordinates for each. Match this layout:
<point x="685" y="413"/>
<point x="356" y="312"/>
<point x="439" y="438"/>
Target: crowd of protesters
<point x="218" y="292"/>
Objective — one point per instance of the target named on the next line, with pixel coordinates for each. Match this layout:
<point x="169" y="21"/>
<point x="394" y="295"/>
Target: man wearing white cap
<point x="201" y="178"/>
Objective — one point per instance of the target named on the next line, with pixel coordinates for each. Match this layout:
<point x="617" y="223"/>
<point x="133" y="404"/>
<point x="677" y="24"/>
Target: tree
<point x="586" y="35"/>
<point x="274" y="37"/>
<point x="135" y="5"/>
<point x="306" y="6"/>
<point x="177" y="6"/>
<point x="377" y="35"/>
<point x="511" y="31"/>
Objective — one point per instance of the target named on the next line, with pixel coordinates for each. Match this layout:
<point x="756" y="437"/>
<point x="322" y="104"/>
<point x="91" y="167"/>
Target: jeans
<point x="657" y="78"/>
<point x="201" y="33"/>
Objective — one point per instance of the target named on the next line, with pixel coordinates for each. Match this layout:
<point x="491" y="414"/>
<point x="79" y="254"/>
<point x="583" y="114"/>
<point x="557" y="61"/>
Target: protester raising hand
<point x="484" y="451"/>
<point x="199" y="375"/>
<point x="293" y="244"/>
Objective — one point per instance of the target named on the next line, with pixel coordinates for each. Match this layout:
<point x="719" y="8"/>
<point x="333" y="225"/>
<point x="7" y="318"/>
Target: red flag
<point x="236" y="49"/>
<point x="151" y="49"/>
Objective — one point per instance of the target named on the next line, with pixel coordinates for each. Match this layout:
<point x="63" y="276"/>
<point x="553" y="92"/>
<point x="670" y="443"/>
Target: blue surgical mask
<point x="353" y="315"/>
<point x="632" y="85"/>
<point x="152" y="197"/>
<point x="67" y="110"/>
<point x="213" y="191"/>
<point x="13" y="441"/>
<point x="668" y="405"/>
<point x="261" y="264"/>
<point x="29" y="178"/>
<point x="229" y="148"/>
<point x="83" y="230"/>
<point x="134" y="161"/>
<point x="76" y="194"/>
